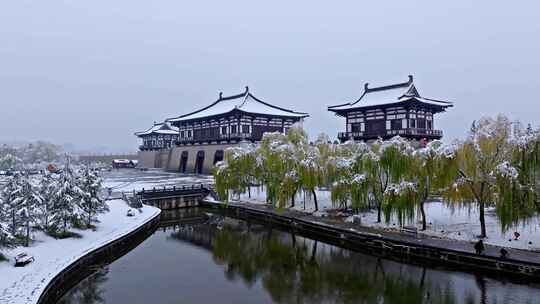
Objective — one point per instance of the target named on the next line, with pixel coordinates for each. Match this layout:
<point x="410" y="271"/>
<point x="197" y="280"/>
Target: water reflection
<point x="297" y="270"/>
<point x="286" y="268"/>
<point x="88" y="291"/>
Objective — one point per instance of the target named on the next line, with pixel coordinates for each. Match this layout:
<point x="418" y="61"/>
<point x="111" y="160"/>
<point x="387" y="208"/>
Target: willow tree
<point x="385" y="168"/>
<point x="517" y="179"/>
<point x="435" y="167"/>
<point x="348" y="183"/>
<point x="272" y="149"/>
<point x="234" y="173"/>
<point x="480" y="160"/>
<point x="311" y="172"/>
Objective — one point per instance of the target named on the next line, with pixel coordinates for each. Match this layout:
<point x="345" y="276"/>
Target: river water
<point x="203" y="257"/>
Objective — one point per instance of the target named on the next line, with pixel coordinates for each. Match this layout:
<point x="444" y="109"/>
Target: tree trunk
<point x="292" y="200"/>
<point x="424" y="199"/>
<point x="315" y="199"/>
<point x="13" y="222"/>
<point x="423" y="212"/>
<point x="483" y="233"/>
<point x="27" y="233"/>
<point x="379" y="207"/>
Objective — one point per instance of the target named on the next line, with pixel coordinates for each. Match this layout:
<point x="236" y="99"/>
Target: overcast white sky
<point x="93" y="72"/>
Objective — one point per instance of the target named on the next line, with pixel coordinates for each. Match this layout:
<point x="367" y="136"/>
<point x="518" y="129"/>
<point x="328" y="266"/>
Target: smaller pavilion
<point x="159" y="136"/>
<point x="387" y="111"/>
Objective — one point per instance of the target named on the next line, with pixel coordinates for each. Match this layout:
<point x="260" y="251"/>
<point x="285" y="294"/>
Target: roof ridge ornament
<point x="366" y="86"/>
<point x="245" y="97"/>
<point x="410" y="78"/>
<point x="220" y="95"/>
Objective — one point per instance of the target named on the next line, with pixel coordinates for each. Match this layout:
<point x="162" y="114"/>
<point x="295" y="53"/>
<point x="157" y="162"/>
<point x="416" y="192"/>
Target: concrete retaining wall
<point x="413" y="251"/>
<point x="86" y="265"/>
<point x="170" y="159"/>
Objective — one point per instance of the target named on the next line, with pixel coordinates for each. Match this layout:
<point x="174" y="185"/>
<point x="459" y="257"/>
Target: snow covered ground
<point x="443" y="221"/>
<point x="25" y="284"/>
<point x="127" y="180"/>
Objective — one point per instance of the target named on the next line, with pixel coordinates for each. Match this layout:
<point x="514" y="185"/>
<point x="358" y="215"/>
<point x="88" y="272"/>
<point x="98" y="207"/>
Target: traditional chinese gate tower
<point x="391" y="110"/>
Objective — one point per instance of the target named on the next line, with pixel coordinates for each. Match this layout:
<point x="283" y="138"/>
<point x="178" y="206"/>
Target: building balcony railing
<point x="411" y="132"/>
<point x="218" y="138"/>
<point x="152" y="147"/>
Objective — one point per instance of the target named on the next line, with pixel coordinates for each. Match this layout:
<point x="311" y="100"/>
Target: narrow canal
<point x="202" y="257"/>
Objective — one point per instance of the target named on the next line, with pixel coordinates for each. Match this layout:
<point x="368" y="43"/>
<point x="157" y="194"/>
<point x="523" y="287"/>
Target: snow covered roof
<point x="159" y="128"/>
<point x="244" y="102"/>
<point x="388" y="95"/>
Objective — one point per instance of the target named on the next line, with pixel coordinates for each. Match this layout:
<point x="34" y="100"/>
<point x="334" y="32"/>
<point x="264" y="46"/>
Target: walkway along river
<point x="201" y="256"/>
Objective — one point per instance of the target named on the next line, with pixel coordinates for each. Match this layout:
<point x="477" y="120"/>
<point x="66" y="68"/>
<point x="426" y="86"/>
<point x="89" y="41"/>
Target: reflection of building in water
<point x="200" y="137"/>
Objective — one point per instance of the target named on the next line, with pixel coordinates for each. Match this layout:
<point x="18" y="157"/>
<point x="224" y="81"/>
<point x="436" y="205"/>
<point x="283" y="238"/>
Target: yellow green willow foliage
<point x="236" y="173"/>
<point x="492" y="167"/>
<point x="519" y="192"/>
<point x="435" y="167"/>
<point x="487" y="172"/>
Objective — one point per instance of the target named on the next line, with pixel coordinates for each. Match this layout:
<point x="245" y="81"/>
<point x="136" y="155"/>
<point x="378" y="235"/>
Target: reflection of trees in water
<point x="88" y="291"/>
<point x="298" y="270"/>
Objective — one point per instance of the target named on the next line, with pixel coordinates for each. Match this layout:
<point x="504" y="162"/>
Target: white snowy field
<point x="128" y="180"/>
<point x="25" y="284"/>
<point x="443" y="221"/>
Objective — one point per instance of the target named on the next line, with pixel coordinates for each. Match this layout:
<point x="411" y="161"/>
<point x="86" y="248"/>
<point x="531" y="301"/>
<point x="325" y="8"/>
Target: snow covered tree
<point x="28" y="199"/>
<point x="88" y="199"/>
<point x="435" y="167"/>
<point x="6" y="238"/>
<point x="236" y="172"/>
<point x="385" y="167"/>
<point x="484" y="167"/>
<point x="517" y="178"/>
<point x="311" y="172"/>
<point x="272" y="150"/>
<point x="47" y="188"/>
<point x="10" y="162"/>
<point x="11" y="204"/>
<point x="65" y="210"/>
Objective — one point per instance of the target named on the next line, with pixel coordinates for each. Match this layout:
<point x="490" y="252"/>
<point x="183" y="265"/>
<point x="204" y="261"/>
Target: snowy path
<point x="444" y="222"/>
<point x="25" y="284"/>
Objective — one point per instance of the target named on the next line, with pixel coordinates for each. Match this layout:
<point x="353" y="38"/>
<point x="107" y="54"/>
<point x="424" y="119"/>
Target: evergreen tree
<point x="65" y="211"/>
<point x="47" y="188"/>
<point x="11" y="204"/>
<point x="88" y="199"/>
<point x="6" y="238"/>
<point x="29" y="199"/>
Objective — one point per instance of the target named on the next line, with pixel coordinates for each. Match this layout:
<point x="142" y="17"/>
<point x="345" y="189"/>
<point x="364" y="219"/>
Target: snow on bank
<point x="127" y="180"/>
<point x="443" y="222"/>
<point x="25" y="284"/>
